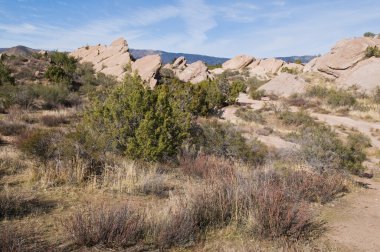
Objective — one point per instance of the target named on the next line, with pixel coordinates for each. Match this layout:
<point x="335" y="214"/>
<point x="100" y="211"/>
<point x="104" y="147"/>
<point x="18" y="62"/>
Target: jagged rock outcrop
<point x="238" y="62"/>
<point x="195" y="73"/>
<point x="147" y="67"/>
<point x="111" y="59"/>
<point x="348" y="65"/>
<point x="284" y="85"/>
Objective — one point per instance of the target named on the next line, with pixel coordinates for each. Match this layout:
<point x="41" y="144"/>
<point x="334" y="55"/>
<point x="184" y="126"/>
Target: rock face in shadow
<point x="348" y="65"/>
<point x="147" y="67"/>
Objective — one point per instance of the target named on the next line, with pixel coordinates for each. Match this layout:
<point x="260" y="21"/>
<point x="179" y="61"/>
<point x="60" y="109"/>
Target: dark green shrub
<point x="236" y="88"/>
<point x="141" y="123"/>
<point x="5" y="75"/>
<point x="369" y="34"/>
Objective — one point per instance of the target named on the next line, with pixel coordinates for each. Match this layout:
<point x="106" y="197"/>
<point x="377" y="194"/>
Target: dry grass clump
<point x="13" y="239"/>
<point x="12" y="128"/>
<point x="263" y="204"/>
<point x="54" y="120"/>
<point x="17" y="205"/>
<point x="113" y="227"/>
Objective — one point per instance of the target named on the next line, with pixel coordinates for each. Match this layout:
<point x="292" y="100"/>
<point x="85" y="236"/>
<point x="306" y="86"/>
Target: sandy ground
<point x="354" y="221"/>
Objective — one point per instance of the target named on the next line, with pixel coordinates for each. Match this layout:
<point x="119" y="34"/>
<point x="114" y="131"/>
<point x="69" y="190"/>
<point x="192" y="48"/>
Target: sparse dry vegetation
<point x="101" y="164"/>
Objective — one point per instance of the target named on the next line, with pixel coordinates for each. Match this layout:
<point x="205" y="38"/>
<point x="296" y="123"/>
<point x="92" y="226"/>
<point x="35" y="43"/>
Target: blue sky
<point x="213" y="27"/>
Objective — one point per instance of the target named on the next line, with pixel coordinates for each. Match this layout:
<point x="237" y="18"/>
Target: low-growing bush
<point x="39" y="144"/>
<point x="372" y="51"/>
<point x="5" y="75"/>
<point x="333" y="97"/>
<point x="301" y="118"/>
<point x="53" y="120"/>
<point x="289" y="70"/>
<point x="323" y="150"/>
<point x="277" y="214"/>
<point x="222" y="139"/>
<point x="12" y="239"/>
<point x="112" y="227"/>
<point x="12" y="128"/>
<point x="250" y="115"/>
<point x="376" y="95"/>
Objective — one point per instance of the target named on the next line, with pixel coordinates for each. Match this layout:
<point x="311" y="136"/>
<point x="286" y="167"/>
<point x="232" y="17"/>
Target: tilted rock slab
<point x="347" y="64"/>
<point x="284" y="85"/>
<point x="238" y="62"/>
<point x="195" y="73"/>
<point x="147" y="67"/>
<point x="111" y="59"/>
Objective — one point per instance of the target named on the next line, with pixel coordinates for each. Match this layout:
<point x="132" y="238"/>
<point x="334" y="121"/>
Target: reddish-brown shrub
<point x="208" y="167"/>
<point x="108" y="226"/>
<point x="277" y="214"/>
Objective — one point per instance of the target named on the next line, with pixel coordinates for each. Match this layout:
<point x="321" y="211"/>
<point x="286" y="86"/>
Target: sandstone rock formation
<point x="195" y="73"/>
<point x="264" y="68"/>
<point x="365" y="75"/>
<point x="238" y="62"/>
<point x="285" y="85"/>
<point x="347" y="64"/>
<point x="147" y="67"/>
<point x="344" y="55"/>
<point x="111" y="59"/>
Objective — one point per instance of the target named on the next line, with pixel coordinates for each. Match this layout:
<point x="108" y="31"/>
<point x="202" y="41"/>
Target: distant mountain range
<point x="167" y="57"/>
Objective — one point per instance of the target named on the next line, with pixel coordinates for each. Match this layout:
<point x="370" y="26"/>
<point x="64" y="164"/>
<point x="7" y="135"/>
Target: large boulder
<point x="194" y="73"/>
<point x="147" y="67"/>
<point x="365" y="75"/>
<point x="238" y="62"/>
<point x="343" y="56"/>
<point x="111" y="59"/>
<point x="284" y="85"/>
<point x="263" y="69"/>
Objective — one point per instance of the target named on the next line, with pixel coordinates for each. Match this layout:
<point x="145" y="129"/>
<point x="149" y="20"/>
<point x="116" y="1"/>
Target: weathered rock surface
<point x="347" y="64"/>
<point x="110" y="59"/>
<point x="238" y="62"/>
<point x="147" y="67"/>
<point x="343" y="56"/>
<point x="195" y="73"/>
<point x="365" y="75"/>
<point x="285" y="85"/>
